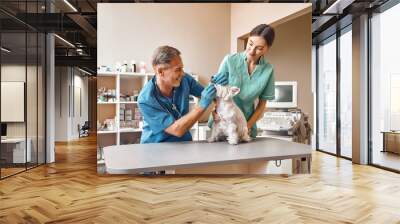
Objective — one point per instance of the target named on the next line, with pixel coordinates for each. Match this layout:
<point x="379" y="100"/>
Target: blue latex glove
<point x="207" y="96"/>
<point x="220" y="78"/>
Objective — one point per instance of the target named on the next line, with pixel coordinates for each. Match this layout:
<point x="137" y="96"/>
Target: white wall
<point x="79" y="117"/>
<point x="66" y="121"/>
<point x="15" y="72"/>
<point x="204" y="33"/>
<point x="61" y="104"/>
<point x="314" y="91"/>
<point x="50" y="95"/>
<point x="291" y="50"/>
<point x="132" y="31"/>
<point x="360" y="90"/>
<point x="34" y="124"/>
<point x="245" y="16"/>
<point x="291" y="57"/>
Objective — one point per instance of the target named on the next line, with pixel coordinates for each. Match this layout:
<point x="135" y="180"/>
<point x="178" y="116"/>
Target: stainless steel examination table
<point x="205" y="158"/>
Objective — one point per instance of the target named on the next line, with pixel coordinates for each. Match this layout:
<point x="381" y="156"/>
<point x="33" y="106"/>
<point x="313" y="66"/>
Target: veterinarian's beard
<point x="177" y="83"/>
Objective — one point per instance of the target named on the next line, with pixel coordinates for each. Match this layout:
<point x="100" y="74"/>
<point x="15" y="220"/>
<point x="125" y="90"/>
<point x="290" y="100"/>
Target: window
<point x="327" y="95"/>
<point x="22" y="66"/>
<point x="346" y="92"/>
<point x="335" y="74"/>
<point x="385" y="88"/>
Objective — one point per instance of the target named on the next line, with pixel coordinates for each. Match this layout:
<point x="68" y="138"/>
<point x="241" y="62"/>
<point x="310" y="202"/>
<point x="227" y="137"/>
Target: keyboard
<point x="277" y="121"/>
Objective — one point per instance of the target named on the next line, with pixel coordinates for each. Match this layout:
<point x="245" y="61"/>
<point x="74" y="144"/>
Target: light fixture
<point x="337" y="7"/>
<point x="70" y="5"/>
<point x="64" y="40"/>
<point x="84" y="71"/>
<point x="79" y="51"/>
<point x="5" y="50"/>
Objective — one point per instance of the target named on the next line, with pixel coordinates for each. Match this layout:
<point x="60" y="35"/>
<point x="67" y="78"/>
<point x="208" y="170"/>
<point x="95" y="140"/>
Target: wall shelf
<point x="99" y="103"/>
<point x="106" y="132"/>
<point x="128" y="102"/>
<point x="127" y="130"/>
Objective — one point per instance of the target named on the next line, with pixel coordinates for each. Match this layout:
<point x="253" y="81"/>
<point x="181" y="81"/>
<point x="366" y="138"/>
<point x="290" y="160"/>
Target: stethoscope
<point x="156" y="95"/>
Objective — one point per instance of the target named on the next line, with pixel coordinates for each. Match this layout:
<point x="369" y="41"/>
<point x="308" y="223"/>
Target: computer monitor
<point x="3" y="130"/>
<point x="285" y="95"/>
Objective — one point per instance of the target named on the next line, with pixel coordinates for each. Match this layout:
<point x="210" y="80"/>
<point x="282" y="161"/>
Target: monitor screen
<point x="283" y="93"/>
<point x="3" y="129"/>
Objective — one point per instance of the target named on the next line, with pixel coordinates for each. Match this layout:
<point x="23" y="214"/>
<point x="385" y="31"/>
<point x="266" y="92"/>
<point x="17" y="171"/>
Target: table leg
<point x="384" y="142"/>
<point x="309" y="164"/>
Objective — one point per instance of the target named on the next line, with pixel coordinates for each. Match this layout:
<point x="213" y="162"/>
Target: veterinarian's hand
<point x="220" y="78"/>
<point x="207" y="96"/>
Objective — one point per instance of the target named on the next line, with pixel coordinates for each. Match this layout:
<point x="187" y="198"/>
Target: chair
<point x="84" y="130"/>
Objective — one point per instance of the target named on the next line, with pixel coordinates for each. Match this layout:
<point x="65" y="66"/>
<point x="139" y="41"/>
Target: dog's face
<point x="227" y="92"/>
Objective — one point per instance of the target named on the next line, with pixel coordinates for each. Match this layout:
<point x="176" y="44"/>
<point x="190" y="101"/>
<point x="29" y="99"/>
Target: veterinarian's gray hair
<point x="163" y="55"/>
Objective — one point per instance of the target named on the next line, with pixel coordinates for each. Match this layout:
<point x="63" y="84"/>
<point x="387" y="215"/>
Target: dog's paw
<point x="211" y="139"/>
<point x="246" y="138"/>
<point x="233" y="141"/>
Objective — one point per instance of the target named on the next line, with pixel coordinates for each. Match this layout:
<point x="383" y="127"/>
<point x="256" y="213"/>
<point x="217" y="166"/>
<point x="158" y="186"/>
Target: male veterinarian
<point x="164" y="100"/>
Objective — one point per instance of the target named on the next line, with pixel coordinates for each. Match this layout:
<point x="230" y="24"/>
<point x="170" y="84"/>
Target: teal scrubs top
<point x="259" y="85"/>
<point x="159" y="112"/>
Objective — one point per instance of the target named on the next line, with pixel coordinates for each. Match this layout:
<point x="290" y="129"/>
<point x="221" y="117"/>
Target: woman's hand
<point x="258" y="113"/>
<point x="249" y="126"/>
<point x="220" y="78"/>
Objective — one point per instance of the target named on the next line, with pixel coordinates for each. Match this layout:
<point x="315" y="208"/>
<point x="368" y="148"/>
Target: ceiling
<point x="76" y="21"/>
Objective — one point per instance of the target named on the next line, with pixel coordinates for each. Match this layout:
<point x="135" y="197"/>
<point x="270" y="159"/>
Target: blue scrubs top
<point x="158" y="112"/>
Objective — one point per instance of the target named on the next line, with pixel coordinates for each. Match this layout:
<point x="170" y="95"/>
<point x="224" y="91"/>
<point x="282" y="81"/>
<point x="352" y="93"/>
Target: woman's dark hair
<point x="264" y="31"/>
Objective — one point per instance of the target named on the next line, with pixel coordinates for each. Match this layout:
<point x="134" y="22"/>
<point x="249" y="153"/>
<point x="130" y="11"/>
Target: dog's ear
<point x="234" y="91"/>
